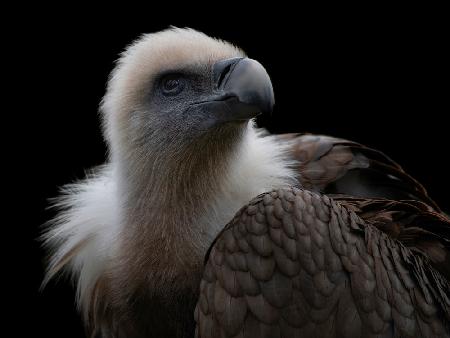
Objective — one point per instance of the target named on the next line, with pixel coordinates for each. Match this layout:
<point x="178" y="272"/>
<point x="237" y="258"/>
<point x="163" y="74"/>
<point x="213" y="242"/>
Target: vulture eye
<point x="172" y="85"/>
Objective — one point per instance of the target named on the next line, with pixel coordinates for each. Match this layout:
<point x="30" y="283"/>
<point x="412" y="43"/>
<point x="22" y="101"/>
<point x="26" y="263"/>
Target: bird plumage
<point x="182" y="163"/>
<point x="294" y="263"/>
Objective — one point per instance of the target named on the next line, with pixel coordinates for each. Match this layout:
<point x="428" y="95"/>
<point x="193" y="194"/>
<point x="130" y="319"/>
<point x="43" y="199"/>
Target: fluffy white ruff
<point x="83" y="238"/>
<point x="261" y="164"/>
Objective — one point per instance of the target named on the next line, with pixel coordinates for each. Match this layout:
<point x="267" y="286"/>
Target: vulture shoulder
<point x="368" y="182"/>
<point x="359" y="250"/>
<point x="294" y="263"/>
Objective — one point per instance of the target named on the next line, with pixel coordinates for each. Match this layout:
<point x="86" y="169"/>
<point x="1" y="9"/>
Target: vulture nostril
<point x="222" y="69"/>
<point x="222" y="76"/>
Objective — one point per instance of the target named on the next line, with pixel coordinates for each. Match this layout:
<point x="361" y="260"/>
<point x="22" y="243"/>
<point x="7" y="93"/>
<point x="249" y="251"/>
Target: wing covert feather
<point x="294" y="263"/>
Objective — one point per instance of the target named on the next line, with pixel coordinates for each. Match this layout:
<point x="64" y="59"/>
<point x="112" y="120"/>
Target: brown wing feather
<point x="337" y="166"/>
<point x="415" y="224"/>
<point x="294" y="263"/>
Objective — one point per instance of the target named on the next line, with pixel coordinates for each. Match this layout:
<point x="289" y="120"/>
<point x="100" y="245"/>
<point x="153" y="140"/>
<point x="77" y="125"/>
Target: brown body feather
<point x="369" y="258"/>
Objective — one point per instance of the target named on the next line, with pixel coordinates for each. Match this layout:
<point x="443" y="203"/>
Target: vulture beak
<point x="242" y="90"/>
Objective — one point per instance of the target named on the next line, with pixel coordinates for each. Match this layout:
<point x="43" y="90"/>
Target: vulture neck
<point x="177" y="202"/>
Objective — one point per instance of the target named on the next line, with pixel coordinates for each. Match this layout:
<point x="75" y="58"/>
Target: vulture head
<point x="184" y="156"/>
<point x="173" y="90"/>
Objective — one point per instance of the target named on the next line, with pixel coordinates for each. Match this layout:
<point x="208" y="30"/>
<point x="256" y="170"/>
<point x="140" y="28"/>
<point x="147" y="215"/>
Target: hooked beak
<point x="242" y="91"/>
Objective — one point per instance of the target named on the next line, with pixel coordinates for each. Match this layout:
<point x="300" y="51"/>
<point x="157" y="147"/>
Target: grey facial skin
<point x="235" y="89"/>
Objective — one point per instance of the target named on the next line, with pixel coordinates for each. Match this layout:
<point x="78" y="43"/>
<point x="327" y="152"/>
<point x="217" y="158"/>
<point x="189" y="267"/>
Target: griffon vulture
<point x="201" y="224"/>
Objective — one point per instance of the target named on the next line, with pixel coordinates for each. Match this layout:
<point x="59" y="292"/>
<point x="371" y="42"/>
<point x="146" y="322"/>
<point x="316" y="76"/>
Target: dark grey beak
<point x="242" y="90"/>
<point x="247" y="80"/>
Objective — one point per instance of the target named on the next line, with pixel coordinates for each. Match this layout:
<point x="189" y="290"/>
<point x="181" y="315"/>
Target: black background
<point x="381" y="80"/>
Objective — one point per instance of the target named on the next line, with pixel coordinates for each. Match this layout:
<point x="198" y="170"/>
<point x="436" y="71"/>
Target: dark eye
<point x="172" y="85"/>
